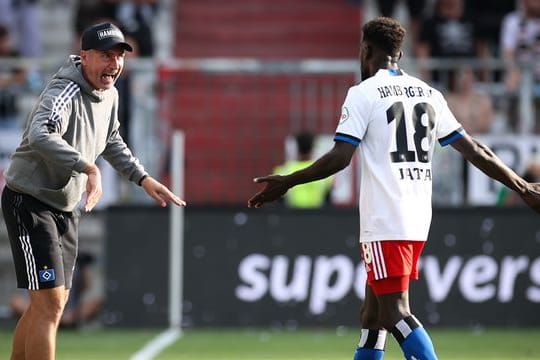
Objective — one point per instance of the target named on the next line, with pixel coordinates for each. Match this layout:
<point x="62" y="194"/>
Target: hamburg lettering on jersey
<point x="408" y="91"/>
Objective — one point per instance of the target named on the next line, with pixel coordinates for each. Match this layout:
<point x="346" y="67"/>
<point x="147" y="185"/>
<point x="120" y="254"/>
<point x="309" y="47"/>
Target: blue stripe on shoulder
<point x="453" y="136"/>
<point x="347" y="138"/>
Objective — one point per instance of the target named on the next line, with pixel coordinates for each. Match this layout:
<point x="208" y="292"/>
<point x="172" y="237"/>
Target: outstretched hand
<point x="274" y="188"/>
<point x="160" y="193"/>
<point x="94" y="188"/>
<point x="532" y="196"/>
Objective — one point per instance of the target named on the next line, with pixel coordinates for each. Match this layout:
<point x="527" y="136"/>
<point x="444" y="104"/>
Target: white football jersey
<point x="395" y="119"/>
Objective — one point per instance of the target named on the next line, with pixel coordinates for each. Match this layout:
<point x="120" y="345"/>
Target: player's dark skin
<point x="384" y="311"/>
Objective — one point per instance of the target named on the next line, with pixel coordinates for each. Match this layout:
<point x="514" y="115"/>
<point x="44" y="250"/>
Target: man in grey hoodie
<point x="74" y="121"/>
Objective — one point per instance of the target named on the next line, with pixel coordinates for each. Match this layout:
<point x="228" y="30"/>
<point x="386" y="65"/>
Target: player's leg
<point x="44" y="244"/>
<point x="372" y="337"/>
<point x="19" y="336"/>
<point x="394" y="263"/>
<point x="405" y="327"/>
<point x="36" y="331"/>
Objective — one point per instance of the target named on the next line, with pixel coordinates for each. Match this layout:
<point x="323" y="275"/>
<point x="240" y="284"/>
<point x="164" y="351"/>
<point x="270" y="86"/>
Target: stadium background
<point x="239" y="78"/>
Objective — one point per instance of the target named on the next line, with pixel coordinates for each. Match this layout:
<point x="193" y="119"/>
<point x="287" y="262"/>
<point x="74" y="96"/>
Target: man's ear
<point x="84" y="56"/>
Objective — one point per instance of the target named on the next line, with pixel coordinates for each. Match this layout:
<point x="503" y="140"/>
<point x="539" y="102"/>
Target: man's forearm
<point x="489" y="163"/>
<point x="325" y="166"/>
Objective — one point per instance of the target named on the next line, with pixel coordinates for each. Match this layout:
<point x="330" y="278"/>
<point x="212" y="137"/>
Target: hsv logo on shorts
<point x="46" y="275"/>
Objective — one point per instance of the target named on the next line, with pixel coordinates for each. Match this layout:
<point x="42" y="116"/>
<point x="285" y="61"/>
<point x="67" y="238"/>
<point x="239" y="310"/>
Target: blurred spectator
<point x="124" y="85"/>
<point x="520" y="44"/>
<point x="507" y="197"/>
<point x="415" y="10"/>
<point x="29" y="32"/>
<point x="472" y="108"/>
<point x="12" y="82"/>
<point x="306" y="196"/>
<point x="448" y="34"/>
<point x="489" y="19"/>
<point x="6" y="13"/>
<point x="21" y="17"/>
<point x="136" y="17"/>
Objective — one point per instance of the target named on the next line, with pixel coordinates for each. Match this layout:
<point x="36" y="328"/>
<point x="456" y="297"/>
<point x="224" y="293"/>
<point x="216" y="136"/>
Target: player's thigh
<point x="370" y="310"/>
<point x="35" y="235"/>
<point x="391" y="264"/>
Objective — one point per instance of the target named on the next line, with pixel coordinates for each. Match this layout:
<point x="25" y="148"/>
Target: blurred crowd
<point x="506" y="30"/>
<point x="479" y="51"/>
<point x="22" y="37"/>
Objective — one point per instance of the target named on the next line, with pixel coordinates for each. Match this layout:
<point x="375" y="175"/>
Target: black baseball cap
<point x="103" y="36"/>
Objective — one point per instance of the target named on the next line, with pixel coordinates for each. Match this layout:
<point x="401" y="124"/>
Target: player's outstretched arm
<point x="160" y="193"/>
<point x="275" y="187"/>
<point x="490" y="164"/>
<point x="532" y="196"/>
<point x="328" y="164"/>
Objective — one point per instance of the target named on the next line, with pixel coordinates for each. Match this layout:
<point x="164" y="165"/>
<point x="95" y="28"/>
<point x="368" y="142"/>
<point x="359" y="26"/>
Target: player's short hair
<point x="385" y="33"/>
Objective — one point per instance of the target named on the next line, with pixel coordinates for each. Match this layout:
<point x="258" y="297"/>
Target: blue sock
<point x="371" y="345"/>
<point x="414" y="340"/>
<point x="368" y="354"/>
<point x="419" y="345"/>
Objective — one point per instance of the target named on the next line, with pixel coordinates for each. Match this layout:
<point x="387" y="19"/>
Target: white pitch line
<point x="158" y="344"/>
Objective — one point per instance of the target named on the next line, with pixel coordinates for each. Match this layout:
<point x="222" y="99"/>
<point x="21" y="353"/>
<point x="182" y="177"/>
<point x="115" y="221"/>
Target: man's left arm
<point x="122" y="160"/>
<point x="490" y="164"/>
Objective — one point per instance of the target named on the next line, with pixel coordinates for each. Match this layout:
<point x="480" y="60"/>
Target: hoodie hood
<point x="72" y="70"/>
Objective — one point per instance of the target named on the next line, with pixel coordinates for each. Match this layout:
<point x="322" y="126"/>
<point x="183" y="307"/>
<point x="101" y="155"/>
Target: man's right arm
<point x="490" y="164"/>
<point x="330" y="163"/>
<point x="48" y="124"/>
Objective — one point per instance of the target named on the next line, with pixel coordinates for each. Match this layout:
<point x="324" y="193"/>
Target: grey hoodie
<point x="69" y="127"/>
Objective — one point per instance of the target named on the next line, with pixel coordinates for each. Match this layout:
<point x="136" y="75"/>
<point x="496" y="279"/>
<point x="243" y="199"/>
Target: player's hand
<point x="160" y="193"/>
<point x="93" y="187"/>
<point x="532" y="196"/>
<point x="275" y="187"/>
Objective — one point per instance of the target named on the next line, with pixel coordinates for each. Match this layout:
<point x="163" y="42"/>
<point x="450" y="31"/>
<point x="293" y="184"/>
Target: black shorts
<point x="43" y="241"/>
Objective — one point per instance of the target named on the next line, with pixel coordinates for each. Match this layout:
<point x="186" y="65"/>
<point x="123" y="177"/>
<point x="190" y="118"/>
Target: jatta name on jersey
<point x="415" y="173"/>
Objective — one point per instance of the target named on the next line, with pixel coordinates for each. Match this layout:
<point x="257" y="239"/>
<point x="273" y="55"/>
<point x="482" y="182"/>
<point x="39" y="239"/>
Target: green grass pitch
<point x="260" y="344"/>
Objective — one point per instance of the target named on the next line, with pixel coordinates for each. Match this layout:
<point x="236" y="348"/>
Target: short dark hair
<point x="304" y="141"/>
<point x="385" y="33"/>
